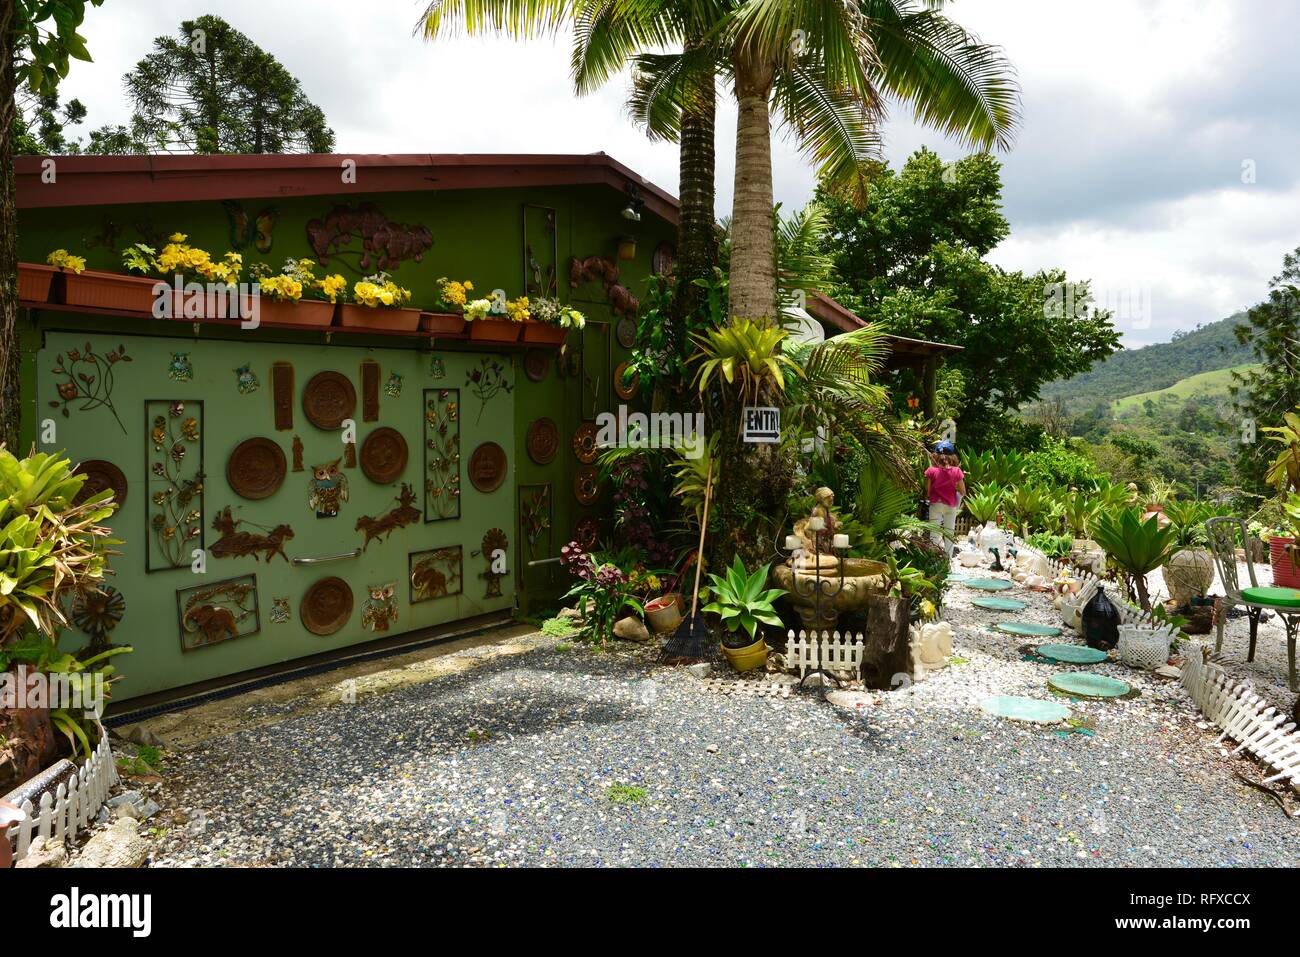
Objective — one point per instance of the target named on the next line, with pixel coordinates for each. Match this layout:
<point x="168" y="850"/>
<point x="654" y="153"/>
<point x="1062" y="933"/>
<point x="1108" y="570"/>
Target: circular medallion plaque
<point x="625" y="332"/>
<point x="587" y="532"/>
<point x="586" y="485"/>
<point x="327" y="606"/>
<point x="625" y="389"/>
<point x="383" y="455"/>
<point x="255" y="468"/>
<point x="329" y="399"/>
<point x="543" y="440"/>
<point x="536" y="363"/>
<point x="100" y="475"/>
<point x="584" y="443"/>
<point x="487" y="467"/>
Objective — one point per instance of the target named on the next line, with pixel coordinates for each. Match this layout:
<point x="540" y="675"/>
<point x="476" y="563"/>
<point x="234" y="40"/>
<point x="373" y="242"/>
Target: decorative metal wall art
<point x="280" y="611"/>
<point x="327" y="490"/>
<point x="393" y="385"/>
<point x="586" y="485"/>
<point x="626" y="387"/>
<point x="663" y="259"/>
<point x="587" y="532"/>
<point x="246" y="380"/>
<point x="537" y="362"/>
<point x="383" y="455"/>
<point x="88" y="380"/>
<point x="369" y="390"/>
<point x="379" y="610"/>
<point x="598" y="269"/>
<point x="326" y="606"/>
<point x="487" y="467"/>
<point x="97" y="610"/>
<point x="101" y="475"/>
<point x="437" y="367"/>
<point x="436" y="573"/>
<point x="385" y="245"/>
<point x="543" y="440"/>
<point x="541" y="255"/>
<point x="404" y="514"/>
<point x="488" y="381"/>
<point x="222" y="611"/>
<point x="282" y="395"/>
<point x="441" y="454"/>
<point x="584" y="443"/>
<point x="256" y="468"/>
<point x="625" y="332"/>
<point x="256" y="229"/>
<point x="234" y="543"/>
<point x="349" y="455"/>
<point x="297" y="454"/>
<point x="180" y="369"/>
<point x="535" y="519"/>
<point x="329" y="399"/>
<point x="493" y="542"/>
<point x="174" y="459"/>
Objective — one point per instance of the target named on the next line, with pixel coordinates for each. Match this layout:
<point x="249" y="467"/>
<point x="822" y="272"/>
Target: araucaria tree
<point x="213" y="90"/>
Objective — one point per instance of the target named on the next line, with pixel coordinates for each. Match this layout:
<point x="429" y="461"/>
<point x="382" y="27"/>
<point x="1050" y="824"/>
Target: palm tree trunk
<point x="10" y="405"/>
<point x="753" y="243"/>
<point x="697" y="241"/>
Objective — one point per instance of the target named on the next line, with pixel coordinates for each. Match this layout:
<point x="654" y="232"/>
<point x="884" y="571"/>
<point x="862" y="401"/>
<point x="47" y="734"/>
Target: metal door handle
<point x="356" y="552"/>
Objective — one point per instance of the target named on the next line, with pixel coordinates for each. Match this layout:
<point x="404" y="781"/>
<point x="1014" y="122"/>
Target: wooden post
<point x="930" y="386"/>
<point x="887" y="648"/>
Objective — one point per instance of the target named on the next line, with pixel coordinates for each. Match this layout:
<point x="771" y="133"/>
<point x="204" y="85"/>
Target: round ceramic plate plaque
<point x="543" y="440"/>
<point x="256" y="468"/>
<point x="584" y="443"/>
<point x="987" y="584"/>
<point x="1071" y="654"/>
<point x="100" y="475"/>
<point x="586" y="485"/>
<point x="487" y="467"/>
<point x="625" y="331"/>
<point x="537" y="362"/>
<point x="329" y="399"/>
<point x="383" y="455"/>
<point x="327" y="606"/>
<point x="1025" y="709"/>
<point x="999" y="604"/>
<point x="587" y="532"/>
<point x="625" y="388"/>
<point x="1027" y="629"/>
<point x="1085" y="684"/>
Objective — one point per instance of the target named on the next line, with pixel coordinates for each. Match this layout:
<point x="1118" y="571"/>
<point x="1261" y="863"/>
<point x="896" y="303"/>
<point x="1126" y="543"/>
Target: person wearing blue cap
<point x="945" y="485"/>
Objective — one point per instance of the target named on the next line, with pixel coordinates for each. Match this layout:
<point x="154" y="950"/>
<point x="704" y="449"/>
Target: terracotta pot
<point x="34" y="281"/>
<point x="109" y="290"/>
<point x="544" y="334"/>
<point x="494" y="330"/>
<point x="363" y="317"/>
<point x="1286" y="572"/>
<point x="664" y="614"/>
<point x="747" y="658"/>
<point x="1189" y="573"/>
<point x="442" y="323"/>
<point x="307" y="312"/>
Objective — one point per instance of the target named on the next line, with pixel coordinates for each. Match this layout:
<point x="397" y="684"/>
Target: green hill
<point x="1153" y="368"/>
<point x="1205" y="384"/>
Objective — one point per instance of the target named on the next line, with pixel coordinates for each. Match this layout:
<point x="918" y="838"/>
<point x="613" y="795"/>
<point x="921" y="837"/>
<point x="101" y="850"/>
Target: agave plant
<point x="745" y="354"/>
<point x="1137" y="547"/>
<point x="984" y="502"/>
<point x="1002" y="468"/>
<point x="1078" y="509"/>
<point x="1187" y="519"/>
<point x="1027" y="505"/>
<point x="740" y="599"/>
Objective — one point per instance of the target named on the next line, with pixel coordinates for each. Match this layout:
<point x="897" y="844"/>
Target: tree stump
<point x="887" y="650"/>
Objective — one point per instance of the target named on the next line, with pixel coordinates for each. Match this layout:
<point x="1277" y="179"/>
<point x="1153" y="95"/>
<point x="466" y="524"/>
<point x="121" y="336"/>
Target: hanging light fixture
<point x="632" y="211"/>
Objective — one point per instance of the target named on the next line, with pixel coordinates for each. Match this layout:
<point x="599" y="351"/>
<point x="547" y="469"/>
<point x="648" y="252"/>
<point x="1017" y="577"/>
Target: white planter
<point x="1142" y="646"/>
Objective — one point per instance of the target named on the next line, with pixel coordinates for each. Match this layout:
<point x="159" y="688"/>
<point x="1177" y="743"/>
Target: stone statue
<point x="931" y="647"/>
<point x="820" y="520"/>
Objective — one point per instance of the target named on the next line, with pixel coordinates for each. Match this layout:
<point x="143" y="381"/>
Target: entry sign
<point x="762" y="424"/>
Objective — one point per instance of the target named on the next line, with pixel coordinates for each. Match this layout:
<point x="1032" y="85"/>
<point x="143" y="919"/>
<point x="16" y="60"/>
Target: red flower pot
<point x="544" y="334"/>
<point x="353" y="316"/>
<point x="443" y="323"/>
<point x="34" y="282"/>
<point x="306" y="313"/>
<point x="494" y="330"/>
<point x="109" y="290"/>
<point x="1286" y="573"/>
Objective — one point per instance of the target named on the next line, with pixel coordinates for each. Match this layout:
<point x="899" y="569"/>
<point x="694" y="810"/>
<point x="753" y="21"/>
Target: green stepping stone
<point x="999" y="604"/>
<point x="1025" y="709"/>
<point x="1071" y="654"/>
<point x="1282" y="597"/>
<point x="987" y="584"/>
<point x="1085" y="684"/>
<point x="957" y="578"/>
<point x="1026" y="629"/>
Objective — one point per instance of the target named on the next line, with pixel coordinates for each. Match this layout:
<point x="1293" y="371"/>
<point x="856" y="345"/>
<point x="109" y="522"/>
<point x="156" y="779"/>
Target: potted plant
<point x="181" y="266"/>
<point x="486" y="327"/>
<point x="105" y="290"/>
<point x="448" y="319"/>
<point x="742" y="603"/>
<point x="294" y="296"/>
<point x="548" y="322"/>
<point x="1189" y="572"/>
<point x="602" y="592"/>
<point x="35" y="281"/>
<point x="1136" y="546"/>
<point x="1284" y="475"/>
<point x="377" y="304"/>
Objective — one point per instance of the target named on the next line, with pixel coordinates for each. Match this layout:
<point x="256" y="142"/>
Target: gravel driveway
<point x="563" y="755"/>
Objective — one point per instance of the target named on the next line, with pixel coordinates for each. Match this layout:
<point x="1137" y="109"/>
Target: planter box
<point x="34" y="282"/>
<point x="109" y="290"/>
<point x="307" y="313"/>
<point x="495" y="330"/>
<point x="1286" y="574"/>
<point x="353" y="316"/>
<point x="442" y="323"/>
<point x="544" y="334"/>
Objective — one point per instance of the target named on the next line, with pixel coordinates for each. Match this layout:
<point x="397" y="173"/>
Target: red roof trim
<point x="105" y="180"/>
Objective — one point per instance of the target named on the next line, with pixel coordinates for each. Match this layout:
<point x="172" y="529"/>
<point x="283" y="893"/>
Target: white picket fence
<point x="71" y="807"/>
<point x="1244" y="717"/>
<point x="838" y="652"/>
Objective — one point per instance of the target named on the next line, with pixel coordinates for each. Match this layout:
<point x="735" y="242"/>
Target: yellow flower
<point x="65" y="260"/>
<point x="177" y="238"/>
<point x="517" y="309"/>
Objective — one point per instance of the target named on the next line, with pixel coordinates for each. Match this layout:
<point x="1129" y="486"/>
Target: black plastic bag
<point x="1100" y="621"/>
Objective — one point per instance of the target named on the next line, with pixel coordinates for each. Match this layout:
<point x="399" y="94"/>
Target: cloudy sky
<point x="1159" y="155"/>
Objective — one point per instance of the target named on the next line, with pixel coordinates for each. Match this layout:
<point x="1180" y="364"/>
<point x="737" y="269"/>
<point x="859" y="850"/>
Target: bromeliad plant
<point x="985" y="502"/>
<point x="745" y="354"/>
<point x="1136" y="547"/>
<point x="742" y="602"/>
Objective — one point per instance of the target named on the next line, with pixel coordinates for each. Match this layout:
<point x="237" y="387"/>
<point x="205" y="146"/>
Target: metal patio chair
<point x="1224" y="533"/>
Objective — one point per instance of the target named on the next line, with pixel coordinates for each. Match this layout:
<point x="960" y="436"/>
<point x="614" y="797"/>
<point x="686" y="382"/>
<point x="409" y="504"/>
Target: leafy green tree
<point x="213" y="90"/>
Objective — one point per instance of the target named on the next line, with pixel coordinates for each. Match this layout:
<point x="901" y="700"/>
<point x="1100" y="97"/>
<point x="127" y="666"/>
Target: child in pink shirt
<point x="945" y="486"/>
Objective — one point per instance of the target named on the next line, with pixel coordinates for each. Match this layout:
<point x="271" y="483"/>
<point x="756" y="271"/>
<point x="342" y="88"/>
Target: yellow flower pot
<point x="747" y="658"/>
